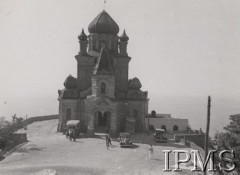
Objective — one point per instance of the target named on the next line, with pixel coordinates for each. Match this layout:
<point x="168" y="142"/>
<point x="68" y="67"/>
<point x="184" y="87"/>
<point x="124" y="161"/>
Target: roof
<point x="160" y="116"/>
<point x="134" y="83"/>
<point x="124" y="37"/>
<point x="103" y="23"/>
<point x="157" y="129"/>
<point x="70" y="82"/>
<point x="82" y="36"/>
<point x="73" y="122"/>
<point x="104" y="63"/>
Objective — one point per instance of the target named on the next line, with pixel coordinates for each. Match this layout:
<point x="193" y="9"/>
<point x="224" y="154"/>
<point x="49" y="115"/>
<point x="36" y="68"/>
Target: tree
<point x="234" y="126"/>
<point x="230" y="140"/>
<point x="3" y="123"/>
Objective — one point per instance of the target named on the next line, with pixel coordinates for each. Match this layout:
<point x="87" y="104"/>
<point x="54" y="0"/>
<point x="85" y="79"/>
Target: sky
<point x="181" y="50"/>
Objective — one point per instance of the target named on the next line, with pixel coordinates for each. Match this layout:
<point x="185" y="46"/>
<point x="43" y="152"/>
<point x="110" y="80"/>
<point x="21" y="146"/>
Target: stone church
<point x="102" y="96"/>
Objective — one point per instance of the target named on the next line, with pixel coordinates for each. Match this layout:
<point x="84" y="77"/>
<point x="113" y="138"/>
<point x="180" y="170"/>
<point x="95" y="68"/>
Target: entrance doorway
<point x="102" y="121"/>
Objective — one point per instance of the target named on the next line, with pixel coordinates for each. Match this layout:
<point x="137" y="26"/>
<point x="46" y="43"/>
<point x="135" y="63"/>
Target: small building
<point x="168" y="123"/>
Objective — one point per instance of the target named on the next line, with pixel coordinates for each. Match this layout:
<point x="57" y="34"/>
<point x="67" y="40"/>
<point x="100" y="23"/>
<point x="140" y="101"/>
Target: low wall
<point x="40" y="118"/>
<point x="198" y="139"/>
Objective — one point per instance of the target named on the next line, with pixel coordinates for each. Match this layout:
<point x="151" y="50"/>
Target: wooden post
<point x="207" y="130"/>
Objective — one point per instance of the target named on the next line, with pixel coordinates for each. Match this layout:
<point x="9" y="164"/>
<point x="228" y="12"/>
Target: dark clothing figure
<point x="70" y="134"/>
<point x="74" y="135"/>
<point x="67" y="134"/>
<point x="107" y="142"/>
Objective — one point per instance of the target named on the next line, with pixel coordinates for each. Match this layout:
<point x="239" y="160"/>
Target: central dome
<point x="103" y="23"/>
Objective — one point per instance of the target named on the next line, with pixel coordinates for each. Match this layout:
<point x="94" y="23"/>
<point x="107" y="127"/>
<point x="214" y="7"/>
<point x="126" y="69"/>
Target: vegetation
<point x="230" y="140"/>
<point x="7" y="128"/>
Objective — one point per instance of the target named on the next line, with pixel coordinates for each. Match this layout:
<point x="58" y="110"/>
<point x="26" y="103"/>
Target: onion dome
<point x="70" y="82"/>
<point x="103" y="23"/>
<point x="124" y="37"/>
<point x="82" y="36"/>
<point x="134" y="84"/>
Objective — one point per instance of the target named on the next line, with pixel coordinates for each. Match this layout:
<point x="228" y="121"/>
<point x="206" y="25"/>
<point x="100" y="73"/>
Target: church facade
<point x="102" y="96"/>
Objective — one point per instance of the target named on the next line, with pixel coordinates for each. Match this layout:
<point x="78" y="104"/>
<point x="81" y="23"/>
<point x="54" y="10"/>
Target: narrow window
<point x="103" y="88"/>
<point x="69" y="114"/>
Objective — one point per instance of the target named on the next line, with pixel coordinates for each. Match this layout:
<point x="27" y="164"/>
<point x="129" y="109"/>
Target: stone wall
<point x="140" y="107"/>
<point x="198" y="139"/>
<point x="40" y="118"/>
<point x="169" y="122"/>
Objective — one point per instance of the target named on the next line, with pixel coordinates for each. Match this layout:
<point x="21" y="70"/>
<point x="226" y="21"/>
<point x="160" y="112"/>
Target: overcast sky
<point x="184" y="48"/>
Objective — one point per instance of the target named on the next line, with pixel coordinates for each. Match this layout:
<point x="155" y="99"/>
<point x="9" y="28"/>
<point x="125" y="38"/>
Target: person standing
<point x="150" y="152"/>
<point x="107" y="142"/>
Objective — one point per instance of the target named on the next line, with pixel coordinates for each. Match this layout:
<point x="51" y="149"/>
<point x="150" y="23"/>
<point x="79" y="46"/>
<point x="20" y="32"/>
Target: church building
<point x="102" y="96"/>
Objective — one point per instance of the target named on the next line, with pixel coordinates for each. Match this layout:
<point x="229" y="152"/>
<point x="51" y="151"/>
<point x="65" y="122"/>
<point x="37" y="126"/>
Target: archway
<point x="102" y="121"/>
<point x="175" y="128"/>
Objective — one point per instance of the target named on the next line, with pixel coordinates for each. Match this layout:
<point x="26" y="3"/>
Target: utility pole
<point x="207" y="130"/>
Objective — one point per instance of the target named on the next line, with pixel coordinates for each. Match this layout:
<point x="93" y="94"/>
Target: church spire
<point x="123" y="44"/>
<point x="83" y="41"/>
<point x="104" y="5"/>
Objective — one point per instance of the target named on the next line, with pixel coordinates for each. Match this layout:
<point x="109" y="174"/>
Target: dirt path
<point x="48" y="149"/>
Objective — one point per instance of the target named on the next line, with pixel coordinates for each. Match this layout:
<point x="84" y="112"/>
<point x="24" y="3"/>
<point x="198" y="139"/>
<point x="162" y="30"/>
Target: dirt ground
<point x="48" y="149"/>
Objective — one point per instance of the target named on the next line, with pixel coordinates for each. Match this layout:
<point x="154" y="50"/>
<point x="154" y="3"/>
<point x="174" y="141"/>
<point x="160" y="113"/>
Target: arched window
<point x="175" y="128"/>
<point x="164" y="127"/>
<point x="69" y="114"/>
<point x="103" y="88"/>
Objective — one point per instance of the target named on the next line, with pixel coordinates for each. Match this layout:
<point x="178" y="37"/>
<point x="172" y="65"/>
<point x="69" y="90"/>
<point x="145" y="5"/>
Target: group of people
<point x="71" y="134"/>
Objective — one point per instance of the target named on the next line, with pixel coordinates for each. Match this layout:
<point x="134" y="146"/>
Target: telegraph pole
<point x="207" y="129"/>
